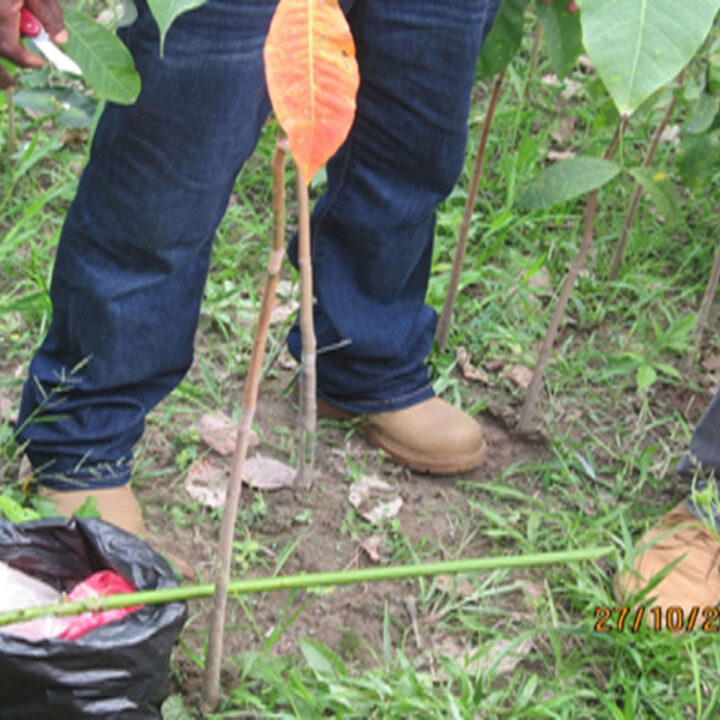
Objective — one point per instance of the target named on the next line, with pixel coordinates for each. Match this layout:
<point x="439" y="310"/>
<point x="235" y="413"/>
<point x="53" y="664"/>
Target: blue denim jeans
<point x="134" y="252"/>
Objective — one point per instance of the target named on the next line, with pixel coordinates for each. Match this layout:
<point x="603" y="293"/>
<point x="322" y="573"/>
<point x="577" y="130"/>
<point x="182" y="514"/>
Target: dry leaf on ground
<point x="207" y="482"/>
<point x="368" y="485"/>
<point x="286" y="361"/>
<point x="469" y="371"/>
<point x="586" y="63"/>
<point x="507" y="653"/>
<point x="455" y="586"/>
<point x="373" y="547"/>
<point x="670" y="134"/>
<point x="383" y="511"/>
<point x="283" y="310"/>
<point x="369" y="496"/>
<point x="207" y="479"/>
<point x="560" y="155"/>
<point x="218" y="431"/>
<point x="564" y="130"/>
<point x="711" y="363"/>
<point x="520" y="375"/>
<point x="6" y="409"/>
<point x="570" y="87"/>
<point x="539" y="279"/>
<point x="263" y="473"/>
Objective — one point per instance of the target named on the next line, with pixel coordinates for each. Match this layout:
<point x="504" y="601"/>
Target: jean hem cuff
<point x="398" y="402"/>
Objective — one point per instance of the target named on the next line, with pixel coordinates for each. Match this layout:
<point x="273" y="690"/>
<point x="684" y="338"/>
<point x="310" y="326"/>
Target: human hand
<point x="48" y="12"/>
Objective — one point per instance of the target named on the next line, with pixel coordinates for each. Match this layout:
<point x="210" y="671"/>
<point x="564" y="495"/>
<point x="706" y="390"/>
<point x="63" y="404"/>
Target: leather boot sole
<point x="417" y="460"/>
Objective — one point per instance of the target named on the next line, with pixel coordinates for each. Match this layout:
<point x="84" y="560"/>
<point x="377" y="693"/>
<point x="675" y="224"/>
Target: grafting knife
<point x="30" y="27"/>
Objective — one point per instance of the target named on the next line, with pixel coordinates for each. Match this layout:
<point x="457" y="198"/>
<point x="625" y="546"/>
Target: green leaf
<point x="105" y="61"/>
<point x="563" y="35"/>
<point x="15" y="512"/>
<point x="659" y="187"/>
<point x="645" y="377"/>
<point x="699" y="159"/>
<point x="324" y="662"/>
<point x="607" y="116"/>
<point x="638" y="46"/>
<point x="669" y="370"/>
<point x="566" y="180"/>
<point x="503" y="40"/>
<point x="88" y="509"/>
<point x="703" y="115"/>
<point x="72" y="108"/>
<point x="166" y="12"/>
<point x="174" y="709"/>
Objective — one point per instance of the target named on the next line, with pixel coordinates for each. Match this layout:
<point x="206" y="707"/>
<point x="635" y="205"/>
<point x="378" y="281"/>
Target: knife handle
<point x="29" y="24"/>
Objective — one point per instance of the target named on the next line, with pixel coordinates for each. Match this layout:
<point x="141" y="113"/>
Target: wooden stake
<point x="443" y="328"/>
<point x="211" y="678"/>
<point x="527" y="414"/>
<point x="308" y="378"/>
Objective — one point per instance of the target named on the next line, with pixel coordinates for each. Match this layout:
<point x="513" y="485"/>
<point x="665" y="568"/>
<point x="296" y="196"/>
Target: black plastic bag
<point x="118" y="671"/>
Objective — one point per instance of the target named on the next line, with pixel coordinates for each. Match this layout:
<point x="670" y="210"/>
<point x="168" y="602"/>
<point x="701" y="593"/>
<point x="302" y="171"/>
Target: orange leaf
<point x="312" y="78"/>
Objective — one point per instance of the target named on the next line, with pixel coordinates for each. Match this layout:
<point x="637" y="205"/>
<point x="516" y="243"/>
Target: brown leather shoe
<point x="119" y="506"/>
<point x="693" y="582"/>
<point x="432" y="436"/>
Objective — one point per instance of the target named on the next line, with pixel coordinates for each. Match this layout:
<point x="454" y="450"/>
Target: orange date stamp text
<point x="622" y="618"/>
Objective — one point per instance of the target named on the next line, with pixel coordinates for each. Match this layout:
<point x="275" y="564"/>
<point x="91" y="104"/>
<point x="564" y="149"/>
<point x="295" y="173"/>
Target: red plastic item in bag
<point x="98" y="584"/>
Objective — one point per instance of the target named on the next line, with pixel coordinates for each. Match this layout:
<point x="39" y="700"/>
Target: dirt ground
<point x="433" y="519"/>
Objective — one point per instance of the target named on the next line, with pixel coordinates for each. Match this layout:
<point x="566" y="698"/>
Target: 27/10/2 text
<point x="674" y="618"/>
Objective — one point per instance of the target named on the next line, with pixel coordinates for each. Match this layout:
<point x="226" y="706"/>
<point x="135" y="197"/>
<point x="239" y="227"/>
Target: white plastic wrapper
<point x="18" y="590"/>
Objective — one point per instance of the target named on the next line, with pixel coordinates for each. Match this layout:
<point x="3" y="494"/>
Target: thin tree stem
<point x="443" y="328"/>
<point x="638" y="190"/>
<point x="211" y="678"/>
<point x="308" y="384"/>
<point x="308" y="580"/>
<point x="527" y="414"/>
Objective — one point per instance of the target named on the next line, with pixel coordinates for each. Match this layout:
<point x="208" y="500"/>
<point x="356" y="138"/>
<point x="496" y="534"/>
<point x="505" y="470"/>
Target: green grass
<point x="605" y="472"/>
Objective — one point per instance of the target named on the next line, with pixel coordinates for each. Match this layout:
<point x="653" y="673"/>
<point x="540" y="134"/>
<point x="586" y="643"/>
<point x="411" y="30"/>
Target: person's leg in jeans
<point x="688" y="533"/>
<point x="134" y="252"/>
<point x="135" y="248"/>
<point x="373" y="229"/>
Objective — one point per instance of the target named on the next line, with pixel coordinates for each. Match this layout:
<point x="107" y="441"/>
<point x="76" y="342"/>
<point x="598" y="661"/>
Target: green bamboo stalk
<point x="309" y="580"/>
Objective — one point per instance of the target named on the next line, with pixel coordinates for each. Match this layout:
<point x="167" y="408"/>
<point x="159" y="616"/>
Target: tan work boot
<point x="119" y="506"/>
<point x="432" y="436"/>
<point x="693" y="582"/>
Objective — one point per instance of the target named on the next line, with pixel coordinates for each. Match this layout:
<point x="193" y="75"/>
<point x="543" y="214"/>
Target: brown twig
<point x="638" y="190"/>
<point x="443" y="328"/>
<point x="528" y="410"/>
<point x="308" y="383"/>
<point x="211" y="678"/>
